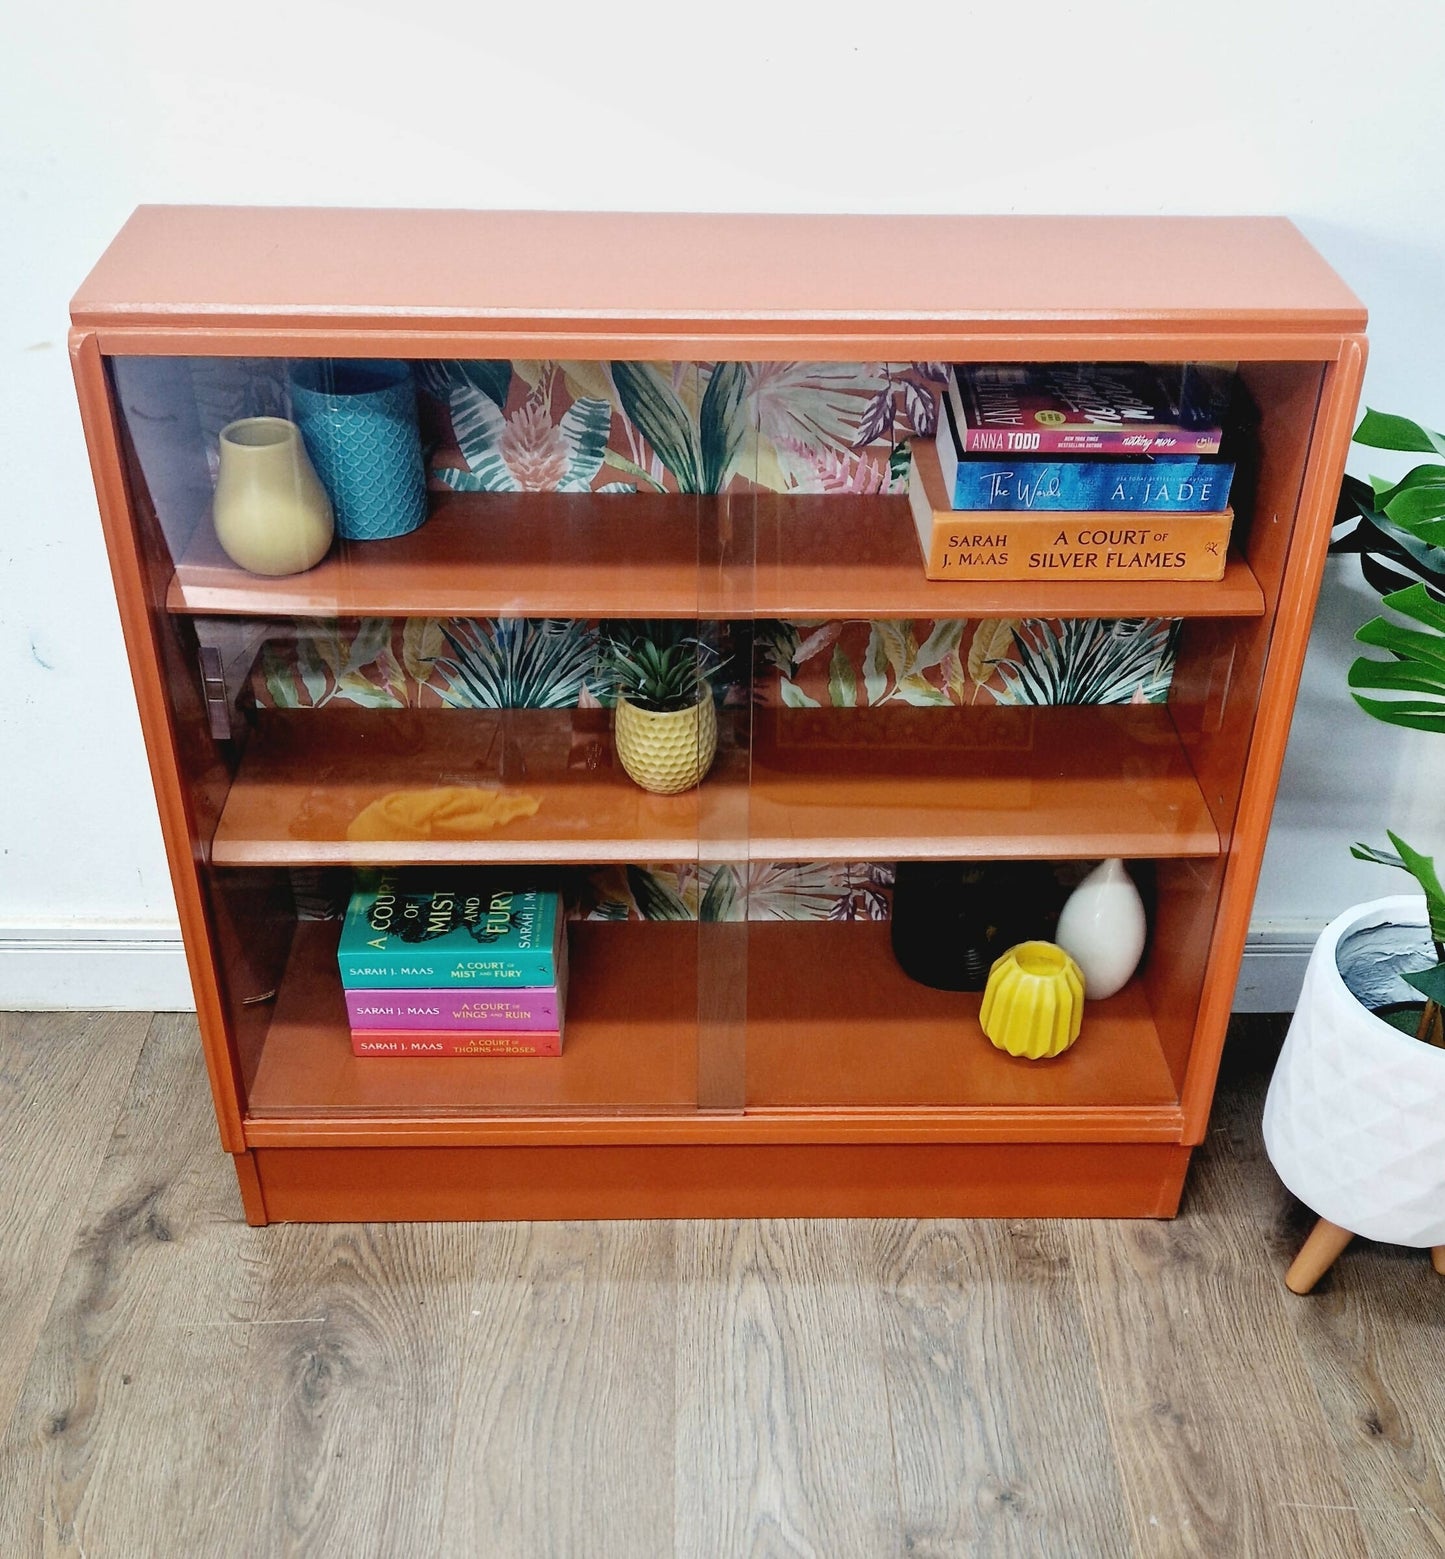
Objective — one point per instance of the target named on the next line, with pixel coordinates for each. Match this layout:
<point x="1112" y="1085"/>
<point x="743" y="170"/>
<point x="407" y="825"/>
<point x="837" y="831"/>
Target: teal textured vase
<point x="358" y="418"/>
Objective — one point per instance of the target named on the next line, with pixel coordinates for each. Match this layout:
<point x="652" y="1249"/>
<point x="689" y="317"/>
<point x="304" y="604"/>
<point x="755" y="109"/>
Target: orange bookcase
<point x="727" y="1054"/>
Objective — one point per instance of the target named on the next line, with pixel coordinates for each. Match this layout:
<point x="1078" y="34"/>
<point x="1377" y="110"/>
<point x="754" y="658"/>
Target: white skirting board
<point x="105" y="967"/>
<point x="143" y="968"/>
<point x="1274" y="965"/>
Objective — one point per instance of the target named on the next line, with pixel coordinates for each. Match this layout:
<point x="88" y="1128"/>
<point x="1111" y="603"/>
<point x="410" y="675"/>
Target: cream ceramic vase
<point x="271" y="513"/>
<point x="666" y="752"/>
<point x="1354" y="1122"/>
<point x="1102" y="928"/>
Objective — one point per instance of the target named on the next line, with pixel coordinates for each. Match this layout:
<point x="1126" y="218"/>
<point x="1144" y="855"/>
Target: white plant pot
<point x="1355" y="1118"/>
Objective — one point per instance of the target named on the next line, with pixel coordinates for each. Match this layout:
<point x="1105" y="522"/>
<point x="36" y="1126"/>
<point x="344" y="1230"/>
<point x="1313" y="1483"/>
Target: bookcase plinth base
<point x="889" y="1180"/>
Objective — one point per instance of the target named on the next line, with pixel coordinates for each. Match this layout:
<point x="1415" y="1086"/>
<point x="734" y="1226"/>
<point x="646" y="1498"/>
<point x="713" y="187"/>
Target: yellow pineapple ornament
<point x="665" y="728"/>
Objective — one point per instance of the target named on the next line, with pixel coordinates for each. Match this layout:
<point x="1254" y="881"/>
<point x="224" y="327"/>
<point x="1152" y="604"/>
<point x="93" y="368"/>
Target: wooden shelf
<point x="992" y="783"/>
<point x="892" y="783"/>
<point x="665" y="555"/>
<point x="307" y="774"/>
<point x="833" y="1024"/>
<point x="822" y="557"/>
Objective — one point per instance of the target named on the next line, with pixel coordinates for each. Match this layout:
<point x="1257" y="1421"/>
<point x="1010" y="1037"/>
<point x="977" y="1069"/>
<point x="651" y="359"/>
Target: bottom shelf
<point x="833" y="1028"/>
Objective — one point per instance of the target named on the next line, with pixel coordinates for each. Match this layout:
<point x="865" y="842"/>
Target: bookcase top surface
<point x="629" y="274"/>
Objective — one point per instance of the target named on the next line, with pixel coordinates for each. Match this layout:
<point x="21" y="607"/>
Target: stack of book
<point x="1077" y="471"/>
<point x="466" y="963"/>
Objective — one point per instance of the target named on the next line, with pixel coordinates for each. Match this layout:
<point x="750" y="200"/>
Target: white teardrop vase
<point x="1102" y="928"/>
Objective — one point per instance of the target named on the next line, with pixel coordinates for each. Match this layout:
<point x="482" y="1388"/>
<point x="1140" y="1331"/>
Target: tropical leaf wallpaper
<point x="559" y="663"/>
<point x="855" y="665"/>
<point x="628" y="427"/>
<point x="677" y="427"/>
<point x="757" y="890"/>
<point x="456" y="663"/>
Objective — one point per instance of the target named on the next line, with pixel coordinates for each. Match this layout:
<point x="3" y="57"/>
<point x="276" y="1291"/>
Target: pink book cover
<point x="1088" y="408"/>
<point x="456" y="1042"/>
<point x="521" y="1008"/>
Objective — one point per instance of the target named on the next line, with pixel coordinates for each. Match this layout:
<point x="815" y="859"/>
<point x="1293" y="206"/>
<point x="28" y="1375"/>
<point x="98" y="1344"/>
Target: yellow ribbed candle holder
<point x="1033" y="1004"/>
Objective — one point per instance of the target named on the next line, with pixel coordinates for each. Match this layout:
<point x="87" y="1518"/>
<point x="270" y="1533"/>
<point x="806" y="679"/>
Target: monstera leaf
<point x="1383" y="430"/>
<point x="1418" y="667"/>
<point x="1398" y="527"/>
<point x="1391" y="556"/>
<point x="1416" y="502"/>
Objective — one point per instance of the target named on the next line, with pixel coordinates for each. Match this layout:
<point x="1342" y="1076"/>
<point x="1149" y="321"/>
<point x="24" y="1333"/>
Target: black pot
<point x="951" y="919"/>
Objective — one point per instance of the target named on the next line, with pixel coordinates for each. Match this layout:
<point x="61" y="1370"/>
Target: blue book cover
<point x="1094" y="484"/>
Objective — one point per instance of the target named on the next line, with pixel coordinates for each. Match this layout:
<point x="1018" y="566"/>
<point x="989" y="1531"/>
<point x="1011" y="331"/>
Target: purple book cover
<point x="517" y="1007"/>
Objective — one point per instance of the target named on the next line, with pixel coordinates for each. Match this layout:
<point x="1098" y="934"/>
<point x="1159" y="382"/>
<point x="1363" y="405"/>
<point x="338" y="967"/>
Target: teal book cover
<point x="413" y="929"/>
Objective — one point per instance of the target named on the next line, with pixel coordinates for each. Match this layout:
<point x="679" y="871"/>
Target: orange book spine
<point x="960" y="545"/>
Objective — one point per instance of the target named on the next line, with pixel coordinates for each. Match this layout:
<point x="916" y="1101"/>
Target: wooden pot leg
<point x="1317" y="1256"/>
<point x="1437" y="1259"/>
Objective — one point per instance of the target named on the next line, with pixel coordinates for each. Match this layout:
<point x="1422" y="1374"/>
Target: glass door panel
<point x="428" y="716"/>
<point x="938" y="762"/>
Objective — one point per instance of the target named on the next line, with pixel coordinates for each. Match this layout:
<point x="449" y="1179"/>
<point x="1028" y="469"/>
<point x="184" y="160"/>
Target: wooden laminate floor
<point x="175" y="1383"/>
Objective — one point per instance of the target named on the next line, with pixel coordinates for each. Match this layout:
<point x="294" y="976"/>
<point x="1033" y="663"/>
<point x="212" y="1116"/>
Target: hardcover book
<point x="422" y="929"/>
<point x="456" y="1042"/>
<point x="962" y="546"/>
<point x="1079" y="408"/>
<point x="1111" y="484"/>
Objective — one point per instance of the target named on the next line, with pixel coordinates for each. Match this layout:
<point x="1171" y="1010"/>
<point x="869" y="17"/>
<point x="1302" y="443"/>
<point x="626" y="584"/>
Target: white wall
<point x="938" y="106"/>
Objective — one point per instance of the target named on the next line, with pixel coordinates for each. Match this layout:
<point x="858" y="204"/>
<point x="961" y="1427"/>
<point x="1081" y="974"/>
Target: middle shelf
<point x="887" y="783"/>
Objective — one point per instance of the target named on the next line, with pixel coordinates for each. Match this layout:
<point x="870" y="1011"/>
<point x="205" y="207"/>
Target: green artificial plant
<point x="654" y="668"/>
<point x="1400" y="532"/>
